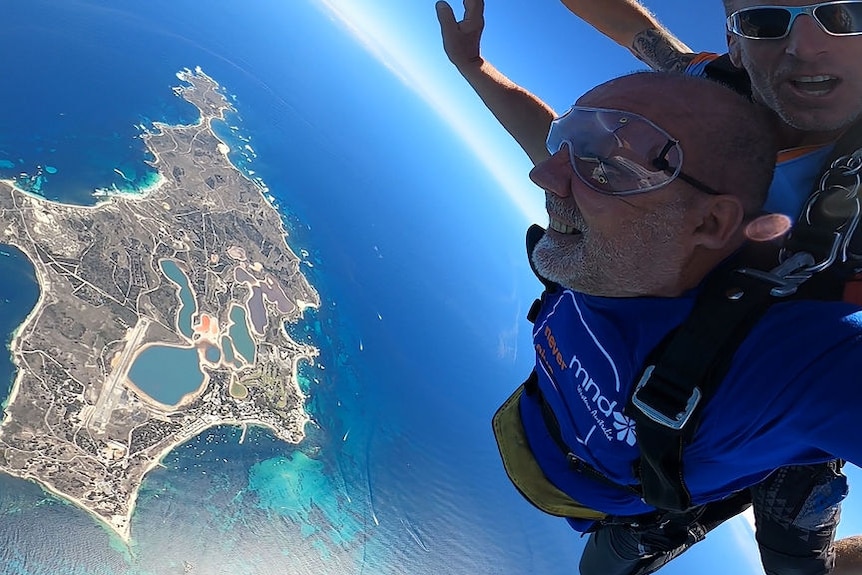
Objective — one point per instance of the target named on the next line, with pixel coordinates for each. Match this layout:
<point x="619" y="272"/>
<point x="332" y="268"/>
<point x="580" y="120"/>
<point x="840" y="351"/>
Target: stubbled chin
<point x="555" y="258"/>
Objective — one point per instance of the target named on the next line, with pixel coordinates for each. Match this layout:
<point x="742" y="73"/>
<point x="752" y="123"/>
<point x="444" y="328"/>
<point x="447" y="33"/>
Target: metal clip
<point x="676" y="422"/>
<point x="788" y="276"/>
<point x="835" y="187"/>
<point x="797" y="267"/>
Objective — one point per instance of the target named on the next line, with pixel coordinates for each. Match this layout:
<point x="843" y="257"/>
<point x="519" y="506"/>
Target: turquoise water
<point x="398" y="473"/>
<point x="239" y="333"/>
<point x="227" y="349"/>
<point x="188" y="305"/>
<point x="18" y="295"/>
<point x="167" y="373"/>
<point x="212" y="354"/>
<point x="300" y="489"/>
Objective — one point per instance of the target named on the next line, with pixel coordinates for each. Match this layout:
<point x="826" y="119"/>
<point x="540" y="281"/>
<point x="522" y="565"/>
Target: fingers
<point x="445" y="15"/>
<point x="461" y="39"/>
<point x="474" y="9"/>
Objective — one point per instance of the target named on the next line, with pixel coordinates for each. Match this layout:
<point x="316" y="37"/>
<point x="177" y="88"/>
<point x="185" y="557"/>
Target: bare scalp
<point x="726" y="139"/>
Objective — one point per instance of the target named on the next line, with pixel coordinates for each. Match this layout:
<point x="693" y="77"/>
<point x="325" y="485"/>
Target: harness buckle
<point x="788" y="276"/>
<point x="676" y="422"/>
<point x="835" y="206"/>
<point x="825" y="230"/>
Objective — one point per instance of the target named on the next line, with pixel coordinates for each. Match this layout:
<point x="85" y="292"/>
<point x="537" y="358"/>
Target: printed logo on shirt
<point x="608" y="419"/>
<point x="625" y="427"/>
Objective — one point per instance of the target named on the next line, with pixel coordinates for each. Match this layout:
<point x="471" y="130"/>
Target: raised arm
<point x="632" y="26"/>
<point x="523" y="115"/>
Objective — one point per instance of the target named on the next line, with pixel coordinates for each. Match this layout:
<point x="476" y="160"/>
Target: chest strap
<point x="684" y="372"/>
<point x="682" y="375"/>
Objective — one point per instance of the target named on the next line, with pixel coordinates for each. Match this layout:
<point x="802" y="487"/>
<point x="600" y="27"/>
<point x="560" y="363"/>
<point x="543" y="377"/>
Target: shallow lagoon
<point x="167" y="373"/>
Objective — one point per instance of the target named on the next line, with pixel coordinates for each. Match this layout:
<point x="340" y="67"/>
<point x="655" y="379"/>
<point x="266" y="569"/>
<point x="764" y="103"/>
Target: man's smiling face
<point x="609" y="245"/>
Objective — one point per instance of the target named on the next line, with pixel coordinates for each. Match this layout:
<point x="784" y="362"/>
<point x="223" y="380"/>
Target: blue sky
<point x="543" y="48"/>
<point x="539" y="45"/>
<point x="536" y="42"/>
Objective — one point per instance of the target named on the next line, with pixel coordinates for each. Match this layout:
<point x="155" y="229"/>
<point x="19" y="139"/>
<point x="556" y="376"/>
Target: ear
<point x="734" y="49"/>
<point x="721" y="222"/>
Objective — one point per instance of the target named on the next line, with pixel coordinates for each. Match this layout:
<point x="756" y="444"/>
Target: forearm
<point x="632" y="26"/>
<point x="522" y="114"/>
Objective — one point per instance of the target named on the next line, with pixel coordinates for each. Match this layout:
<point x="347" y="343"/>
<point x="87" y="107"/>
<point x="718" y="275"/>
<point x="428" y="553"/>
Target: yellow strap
<point x="524" y="471"/>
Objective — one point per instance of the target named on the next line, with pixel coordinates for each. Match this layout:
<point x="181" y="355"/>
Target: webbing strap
<point x="691" y="362"/>
<point x="723" y="71"/>
<point x="829" y="218"/>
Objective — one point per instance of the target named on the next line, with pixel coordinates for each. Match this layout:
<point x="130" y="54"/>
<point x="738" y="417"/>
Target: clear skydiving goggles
<point x="619" y="153"/>
<point x="842" y="18"/>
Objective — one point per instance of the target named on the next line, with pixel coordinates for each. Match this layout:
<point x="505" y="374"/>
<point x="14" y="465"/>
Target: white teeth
<point x="560" y="227"/>
<point x="806" y="79"/>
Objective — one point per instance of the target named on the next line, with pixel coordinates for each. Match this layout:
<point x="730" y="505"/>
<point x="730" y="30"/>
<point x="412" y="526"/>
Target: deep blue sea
<point x="415" y="253"/>
<point x="418" y="330"/>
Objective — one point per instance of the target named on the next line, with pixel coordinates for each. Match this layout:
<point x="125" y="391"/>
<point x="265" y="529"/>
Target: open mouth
<point x="815" y="85"/>
<point x="562" y="228"/>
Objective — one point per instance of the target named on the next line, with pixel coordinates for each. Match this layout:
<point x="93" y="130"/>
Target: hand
<point x="461" y="39"/>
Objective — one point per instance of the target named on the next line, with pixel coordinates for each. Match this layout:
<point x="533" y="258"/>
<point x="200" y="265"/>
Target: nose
<point x="807" y="40"/>
<point x="555" y="174"/>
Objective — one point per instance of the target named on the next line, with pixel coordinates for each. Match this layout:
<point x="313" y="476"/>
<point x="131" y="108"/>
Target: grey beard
<point x="553" y="263"/>
<point x="615" y="267"/>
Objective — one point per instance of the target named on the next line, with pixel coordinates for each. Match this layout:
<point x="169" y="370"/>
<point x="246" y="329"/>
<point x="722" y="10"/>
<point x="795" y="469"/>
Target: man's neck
<point x="790" y="137"/>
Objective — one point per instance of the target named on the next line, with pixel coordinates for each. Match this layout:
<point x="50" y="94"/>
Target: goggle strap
<point x="660" y="162"/>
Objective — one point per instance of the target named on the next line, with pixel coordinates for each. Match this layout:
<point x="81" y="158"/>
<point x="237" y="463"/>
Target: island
<point x="160" y="314"/>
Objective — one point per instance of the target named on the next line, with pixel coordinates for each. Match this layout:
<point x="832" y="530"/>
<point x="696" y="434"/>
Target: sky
<point x="543" y="48"/>
<point x="539" y="45"/>
<point x="536" y="42"/>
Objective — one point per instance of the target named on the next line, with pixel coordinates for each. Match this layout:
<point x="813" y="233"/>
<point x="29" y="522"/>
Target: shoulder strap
<point x="723" y="71"/>
<point x="825" y="247"/>
<point x="846" y="159"/>
<point x="683" y="374"/>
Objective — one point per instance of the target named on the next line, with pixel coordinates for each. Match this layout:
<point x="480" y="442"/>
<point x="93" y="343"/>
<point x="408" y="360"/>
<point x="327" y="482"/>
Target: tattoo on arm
<point x="659" y="52"/>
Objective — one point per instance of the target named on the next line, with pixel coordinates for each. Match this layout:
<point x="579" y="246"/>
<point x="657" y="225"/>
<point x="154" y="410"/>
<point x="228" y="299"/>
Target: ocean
<point x="418" y="329"/>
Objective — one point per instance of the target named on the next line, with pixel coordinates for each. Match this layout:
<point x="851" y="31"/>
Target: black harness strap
<point x="837" y="204"/>
<point x="684" y="372"/>
<point x="534" y="234"/>
<point x="724" y="72"/>
<point x="683" y="375"/>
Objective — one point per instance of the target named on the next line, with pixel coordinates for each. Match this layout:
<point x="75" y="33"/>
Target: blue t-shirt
<point x="791" y="396"/>
<point x="796" y="170"/>
<point x="794" y="179"/>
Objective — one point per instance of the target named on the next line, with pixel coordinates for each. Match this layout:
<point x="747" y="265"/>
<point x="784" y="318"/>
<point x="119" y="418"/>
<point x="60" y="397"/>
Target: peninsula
<point x="195" y="269"/>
